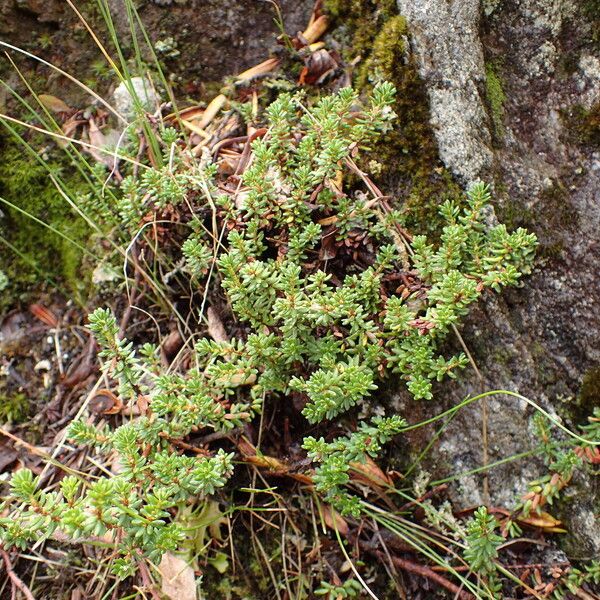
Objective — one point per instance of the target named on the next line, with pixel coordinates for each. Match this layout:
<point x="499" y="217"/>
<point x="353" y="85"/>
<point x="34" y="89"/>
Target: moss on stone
<point x="361" y="19"/>
<point x="558" y="212"/>
<point x="589" y="392"/>
<point x="376" y="33"/>
<point x="584" y="124"/>
<point x="514" y="215"/>
<point x="495" y="97"/>
<point x="389" y="47"/>
<point x="548" y="218"/>
<point x="37" y="254"/>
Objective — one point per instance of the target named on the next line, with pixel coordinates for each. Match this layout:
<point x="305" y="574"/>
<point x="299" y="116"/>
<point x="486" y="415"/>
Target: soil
<point x="212" y="39"/>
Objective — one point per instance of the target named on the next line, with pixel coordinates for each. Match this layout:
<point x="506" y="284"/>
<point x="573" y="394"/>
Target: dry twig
<point x="14" y="578"/>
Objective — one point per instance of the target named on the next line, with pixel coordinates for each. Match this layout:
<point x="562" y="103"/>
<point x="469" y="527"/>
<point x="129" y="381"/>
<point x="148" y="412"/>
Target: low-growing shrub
<point x="333" y="296"/>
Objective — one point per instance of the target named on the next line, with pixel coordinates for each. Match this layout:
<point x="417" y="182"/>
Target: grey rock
<point x="541" y="339"/>
<point x="446" y="43"/>
<point x="589" y="81"/>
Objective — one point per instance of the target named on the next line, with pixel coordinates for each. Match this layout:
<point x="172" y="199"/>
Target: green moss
<point x="375" y="32"/>
<point x="502" y="356"/>
<point x="552" y="251"/>
<point x="548" y="218"/>
<point x="557" y="212"/>
<point x="514" y="215"/>
<point x="389" y="45"/>
<point x="577" y="408"/>
<point x="32" y="253"/>
<point x="584" y="124"/>
<point x="14" y="408"/>
<point x="589" y="393"/>
<point x="361" y="19"/>
<point x="495" y="97"/>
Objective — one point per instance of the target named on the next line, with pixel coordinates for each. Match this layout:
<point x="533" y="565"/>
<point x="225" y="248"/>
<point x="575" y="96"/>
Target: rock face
<point x="446" y="40"/>
<point x="504" y="80"/>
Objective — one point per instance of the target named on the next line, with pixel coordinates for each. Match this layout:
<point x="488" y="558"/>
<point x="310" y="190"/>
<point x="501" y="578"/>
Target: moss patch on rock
<point x="584" y="124"/>
<point x="589" y="395"/>
<point x="375" y="33"/>
<point x="361" y="19"/>
<point x="495" y="97"/>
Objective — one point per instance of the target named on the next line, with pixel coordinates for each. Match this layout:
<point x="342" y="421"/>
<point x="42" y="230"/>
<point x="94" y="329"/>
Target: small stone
<point x="104" y="274"/>
<point x="141" y="87"/>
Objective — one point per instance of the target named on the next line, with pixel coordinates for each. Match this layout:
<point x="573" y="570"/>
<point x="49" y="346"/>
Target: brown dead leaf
<point x="216" y="329"/>
<point x="98" y="143"/>
<point x="45" y="315"/>
<point x="70" y="126"/>
<point x="302" y="478"/>
<point x="196" y="129"/>
<point x="54" y="104"/>
<point x="338" y="181"/>
<point x="96" y="136"/>
<point x="369" y="473"/>
<point x="143" y="402"/>
<point x="229" y="161"/>
<point x="104" y="402"/>
<point x="543" y="521"/>
<point x="329" y="247"/>
<point x="178" y="579"/>
<point x="215" y="105"/>
<point x="192" y="113"/>
<point x="328" y="220"/>
<point x="246" y="447"/>
<point x="334" y="520"/>
<point x="317" y="66"/>
<point x="82" y="366"/>
<point x="268" y="462"/>
<point x="172" y="344"/>
<point x="248" y="451"/>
